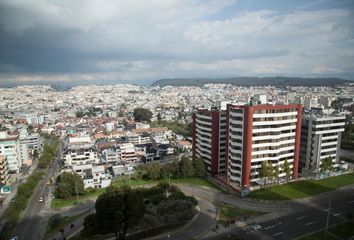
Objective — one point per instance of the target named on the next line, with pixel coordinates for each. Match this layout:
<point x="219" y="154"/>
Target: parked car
<point x="41" y="199"/>
<point x="257" y="227"/>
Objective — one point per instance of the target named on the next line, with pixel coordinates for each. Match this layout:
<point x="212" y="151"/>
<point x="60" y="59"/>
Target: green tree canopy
<point x="287" y="170"/>
<point x="326" y="164"/>
<point x="263" y="173"/>
<point x="142" y="114"/>
<point x="186" y="167"/>
<point x="68" y="184"/>
<point x="199" y="167"/>
<point x="154" y="171"/>
<point x="118" y="210"/>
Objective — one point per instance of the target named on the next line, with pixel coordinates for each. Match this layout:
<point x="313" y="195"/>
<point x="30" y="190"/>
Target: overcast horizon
<point x="141" y="41"/>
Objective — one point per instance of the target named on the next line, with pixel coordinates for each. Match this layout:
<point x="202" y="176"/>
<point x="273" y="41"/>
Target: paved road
<point x="220" y="197"/>
<point x="312" y="217"/>
<point x="32" y="224"/>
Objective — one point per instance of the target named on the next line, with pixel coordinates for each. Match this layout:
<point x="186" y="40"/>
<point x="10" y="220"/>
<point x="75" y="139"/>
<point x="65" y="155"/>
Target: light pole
<point x="77" y="194"/>
<point x="328" y="213"/>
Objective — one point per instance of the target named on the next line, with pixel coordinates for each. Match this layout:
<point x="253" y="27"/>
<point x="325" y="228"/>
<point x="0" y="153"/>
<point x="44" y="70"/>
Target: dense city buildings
<point x="320" y="139"/>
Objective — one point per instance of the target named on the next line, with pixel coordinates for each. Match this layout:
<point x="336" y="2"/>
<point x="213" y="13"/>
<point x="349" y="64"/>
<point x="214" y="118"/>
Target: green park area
<point x="70" y="188"/>
<point x="91" y="194"/>
<point x="301" y="189"/>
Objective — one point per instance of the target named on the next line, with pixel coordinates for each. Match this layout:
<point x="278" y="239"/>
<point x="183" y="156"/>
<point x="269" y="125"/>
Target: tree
<point x="199" y="167"/>
<point x="35" y="153"/>
<point x="186" y="167"/>
<point x="154" y="171"/>
<point x="79" y="114"/>
<point x="118" y="210"/>
<point x="287" y="170"/>
<point x="90" y="224"/>
<point x="68" y="185"/>
<point x="142" y="114"/>
<point x="263" y="173"/>
<point x="276" y="173"/>
<point x="173" y="168"/>
<point x="326" y="164"/>
<point x="141" y="171"/>
<point x="158" y="116"/>
<point x="270" y="171"/>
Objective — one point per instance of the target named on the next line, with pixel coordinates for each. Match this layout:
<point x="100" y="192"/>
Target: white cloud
<point x="166" y="38"/>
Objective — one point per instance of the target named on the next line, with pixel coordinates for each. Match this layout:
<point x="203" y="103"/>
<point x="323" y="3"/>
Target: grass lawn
<point x="228" y="212"/>
<point x="344" y="230"/>
<point x="302" y="189"/>
<point x="60" y="203"/>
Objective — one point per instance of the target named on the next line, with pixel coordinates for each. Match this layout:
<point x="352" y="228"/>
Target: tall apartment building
<point x="209" y="139"/>
<point x="320" y="138"/>
<point x="236" y="141"/>
<point x="262" y="133"/>
<point x="9" y="146"/>
<point x="4" y="171"/>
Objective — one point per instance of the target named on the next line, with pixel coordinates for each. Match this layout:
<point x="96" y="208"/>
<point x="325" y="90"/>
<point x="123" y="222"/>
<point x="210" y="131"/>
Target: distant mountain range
<point x="253" y="81"/>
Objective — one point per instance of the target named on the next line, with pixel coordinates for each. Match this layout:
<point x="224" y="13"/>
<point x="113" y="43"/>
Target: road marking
<point x="336" y="214"/>
<point x="299" y="218"/>
<point x="309" y="223"/>
<point x="276" y="234"/>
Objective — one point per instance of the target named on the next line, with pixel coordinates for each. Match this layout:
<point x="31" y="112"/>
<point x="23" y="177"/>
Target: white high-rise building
<point x="320" y="138"/>
<point x="209" y="139"/>
<point x="9" y="146"/>
<point x="262" y="133"/>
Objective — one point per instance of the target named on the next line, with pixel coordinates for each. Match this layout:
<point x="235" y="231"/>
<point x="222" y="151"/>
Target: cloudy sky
<point x="144" y="40"/>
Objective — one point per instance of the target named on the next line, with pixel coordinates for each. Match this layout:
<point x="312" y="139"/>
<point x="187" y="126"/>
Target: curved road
<point x="207" y="217"/>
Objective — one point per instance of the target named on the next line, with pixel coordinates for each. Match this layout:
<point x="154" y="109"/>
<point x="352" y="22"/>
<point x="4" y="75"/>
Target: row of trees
<point x="47" y="155"/>
<point x="183" y="168"/>
<point x="268" y="171"/>
<point x="25" y="191"/>
<point x="120" y="210"/>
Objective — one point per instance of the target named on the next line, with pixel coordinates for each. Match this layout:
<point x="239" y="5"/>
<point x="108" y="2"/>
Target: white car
<point x="257" y="227"/>
<point x="41" y="199"/>
<point x="14" y="238"/>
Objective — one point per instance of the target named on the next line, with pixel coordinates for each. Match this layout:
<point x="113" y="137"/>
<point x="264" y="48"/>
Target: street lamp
<point x="328" y="213"/>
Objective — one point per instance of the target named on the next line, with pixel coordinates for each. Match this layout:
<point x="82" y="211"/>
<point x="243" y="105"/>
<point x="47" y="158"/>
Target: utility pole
<point x="77" y="194"/>
<point x="328" y="213"/>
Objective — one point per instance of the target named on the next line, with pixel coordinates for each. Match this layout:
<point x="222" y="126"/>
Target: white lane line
<point x="276" y="234"/>
<point x="299" y="218"/>
<point x="309" y="223"/>
<point x="336" y="214"/>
